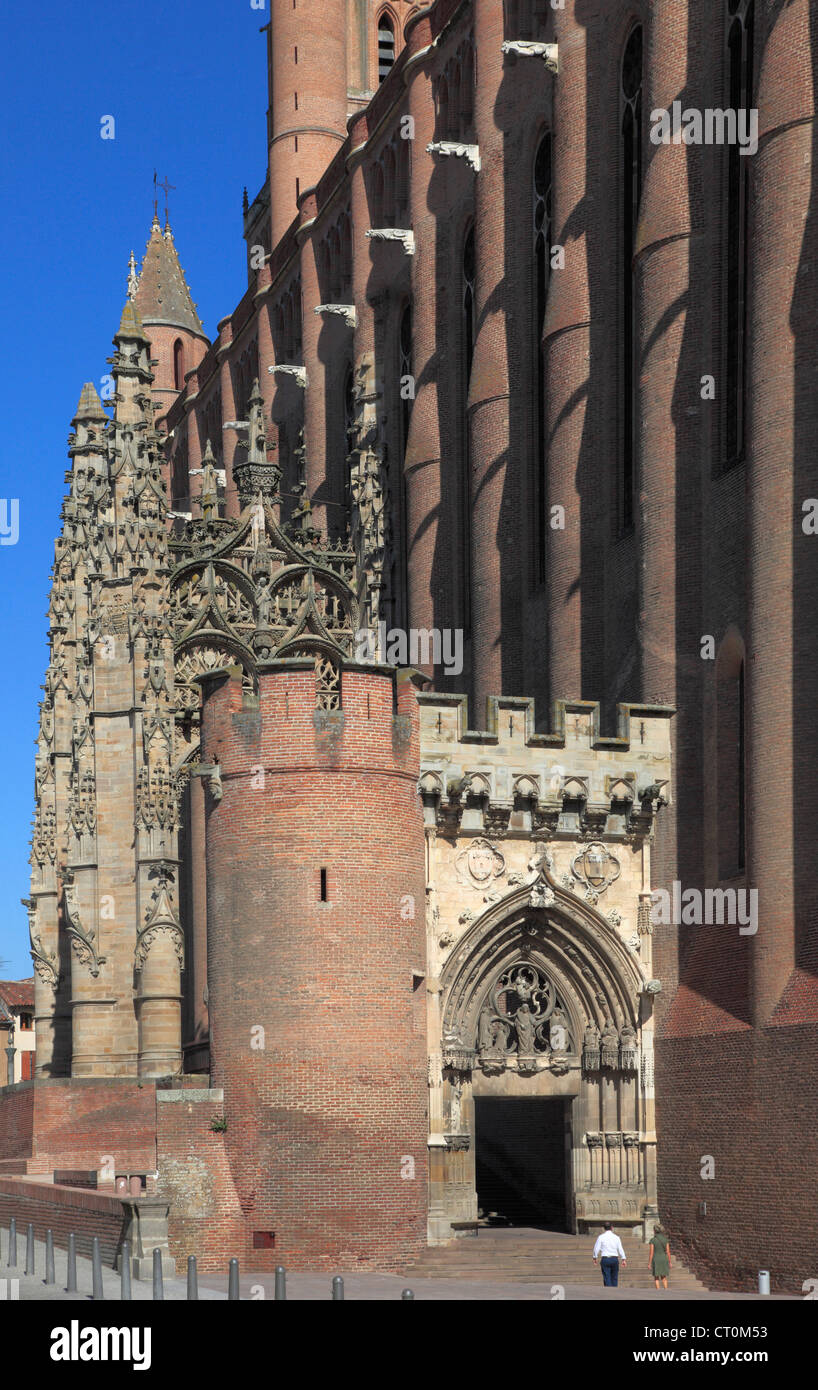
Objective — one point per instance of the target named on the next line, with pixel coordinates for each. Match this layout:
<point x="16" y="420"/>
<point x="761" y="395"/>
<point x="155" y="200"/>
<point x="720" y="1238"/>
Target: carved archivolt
<point x="592" y="974"/>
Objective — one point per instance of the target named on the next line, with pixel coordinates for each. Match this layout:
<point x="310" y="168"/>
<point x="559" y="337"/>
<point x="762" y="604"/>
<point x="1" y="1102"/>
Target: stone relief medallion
<point x="596" y="867"/>
<point x="479" y="864"/>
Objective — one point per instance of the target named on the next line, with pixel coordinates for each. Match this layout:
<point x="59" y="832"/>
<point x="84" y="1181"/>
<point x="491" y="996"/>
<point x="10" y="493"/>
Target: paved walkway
<point x="317" y="1287"/>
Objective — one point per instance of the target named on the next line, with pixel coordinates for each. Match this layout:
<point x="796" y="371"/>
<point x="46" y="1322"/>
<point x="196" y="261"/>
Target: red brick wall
<point x="205" y="1218"/>
<point x="61" y="1210"/>
<point x="16" y="1120"/>
<point x="323" y="1118"/>
<point x="748" y="1099"/>
<point x="77" y="1123"/>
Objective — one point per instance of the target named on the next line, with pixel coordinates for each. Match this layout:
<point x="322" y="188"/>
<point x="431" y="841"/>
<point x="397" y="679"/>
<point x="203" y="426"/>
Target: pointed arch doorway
<point x="544" y="1037"/>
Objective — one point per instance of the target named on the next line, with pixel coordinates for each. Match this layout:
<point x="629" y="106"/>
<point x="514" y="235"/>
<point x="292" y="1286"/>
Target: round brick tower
<point x="316" y="951"/>
<point x="307" y="76"/>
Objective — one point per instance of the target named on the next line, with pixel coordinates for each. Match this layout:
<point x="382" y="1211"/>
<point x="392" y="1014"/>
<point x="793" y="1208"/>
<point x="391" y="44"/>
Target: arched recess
<point x="595" y="974"/>
<point x="587" y="1050"/>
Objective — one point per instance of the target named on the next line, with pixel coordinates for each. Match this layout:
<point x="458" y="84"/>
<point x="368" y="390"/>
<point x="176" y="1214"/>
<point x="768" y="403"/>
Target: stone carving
<point x="479" y="863"/>
<point x="160" y="917"/>
<point x="644" y="925"/>
<point x="83" y="940"/>
<point x="527" y="48"/>
<point x="590" y="1048"/>
<point x="44" y="838"/>
<point x="541" y="895"/>
<point x="597" y="868"/>
<point x="628" y="1050"/>
<point x="298" y="374"/>
<point x="471" y="153"/>
<point x="347" y="312"/>
<point x="45" y="962"/>
<point x="522" y="1017"/>
<point x="609" y="1046"/>
<point x="400" y="234"/>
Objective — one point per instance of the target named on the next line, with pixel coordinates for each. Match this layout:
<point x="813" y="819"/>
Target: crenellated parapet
<point x="567" y="784"/>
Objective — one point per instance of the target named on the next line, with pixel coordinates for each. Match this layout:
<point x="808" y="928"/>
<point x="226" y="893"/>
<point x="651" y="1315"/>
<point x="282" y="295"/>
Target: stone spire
<point x="161" y="294"/>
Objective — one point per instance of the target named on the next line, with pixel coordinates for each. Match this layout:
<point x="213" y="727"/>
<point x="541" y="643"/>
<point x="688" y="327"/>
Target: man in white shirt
<point x="608" y="1250"/>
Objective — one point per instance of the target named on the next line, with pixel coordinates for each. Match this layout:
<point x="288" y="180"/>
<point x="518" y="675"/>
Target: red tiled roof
<point x="17" y="994"/>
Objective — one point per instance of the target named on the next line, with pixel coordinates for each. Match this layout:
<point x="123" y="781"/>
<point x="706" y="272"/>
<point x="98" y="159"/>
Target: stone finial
<point x="133" y="278"/>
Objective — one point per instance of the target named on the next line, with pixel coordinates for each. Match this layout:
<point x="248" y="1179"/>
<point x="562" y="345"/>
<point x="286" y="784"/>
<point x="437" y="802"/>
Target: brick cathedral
<point x="337" y="946"/>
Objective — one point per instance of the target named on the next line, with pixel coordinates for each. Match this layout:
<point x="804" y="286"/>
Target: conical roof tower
<point x="161" y="297"/>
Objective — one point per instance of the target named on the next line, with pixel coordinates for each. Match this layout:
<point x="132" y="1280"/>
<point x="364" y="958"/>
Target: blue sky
<point x="187" y="86"/>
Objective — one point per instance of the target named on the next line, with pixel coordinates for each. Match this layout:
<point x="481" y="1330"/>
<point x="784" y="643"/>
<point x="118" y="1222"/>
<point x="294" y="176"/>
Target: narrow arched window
<point x="542" y="267"/>
<point x="631" y="191"/>
<point x="386" y="47"/>
<point x="178" y="364"/>
<point x="468" y="333"/>
<point x="739" y="75"/>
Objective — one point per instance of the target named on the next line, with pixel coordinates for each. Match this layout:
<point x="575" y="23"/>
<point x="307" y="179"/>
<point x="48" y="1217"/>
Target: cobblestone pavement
<point x="317" y="1287"/>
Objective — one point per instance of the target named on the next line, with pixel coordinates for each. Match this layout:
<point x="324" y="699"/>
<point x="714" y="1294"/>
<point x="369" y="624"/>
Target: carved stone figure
<point x="628" y="1048"/>
<point x="525" y="1026"/>
<point x="609" y="1046"/>
<point x="590" y="1048"/>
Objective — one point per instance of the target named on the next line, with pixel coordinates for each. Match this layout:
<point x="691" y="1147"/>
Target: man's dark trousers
<point x="610" y="1270"/>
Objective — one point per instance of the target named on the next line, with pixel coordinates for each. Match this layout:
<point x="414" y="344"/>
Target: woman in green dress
<point x="659" y="1257"/>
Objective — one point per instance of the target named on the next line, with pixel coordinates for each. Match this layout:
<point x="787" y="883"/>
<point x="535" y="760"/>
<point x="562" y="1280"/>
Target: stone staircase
<point x="520" y="1255"/>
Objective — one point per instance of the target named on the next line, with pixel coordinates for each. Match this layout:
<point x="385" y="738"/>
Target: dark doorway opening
<point x="520" y="1150"/>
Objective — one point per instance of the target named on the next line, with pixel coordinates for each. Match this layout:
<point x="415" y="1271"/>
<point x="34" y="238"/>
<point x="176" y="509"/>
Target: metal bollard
<point x="71" y="1282"/>
<point x="12" y="1260"/>
<point x="338" y="1289"/>
<point x="281" y="1282"/>
<point x="764" y="1281"/>
<point x="96" y="1271"/>
<point x="30" y="1248"/>
<point x="49" y="1258"/>
<point x="407" y="1295"/>
<point x="125" y="1273"/>
<point x="233" y="1281"/>
<point x="158" y="1286"/>
<point x="192" y="1279"/>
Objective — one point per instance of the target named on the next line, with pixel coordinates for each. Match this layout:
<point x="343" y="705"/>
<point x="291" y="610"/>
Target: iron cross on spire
<point x="167" y="188"/>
